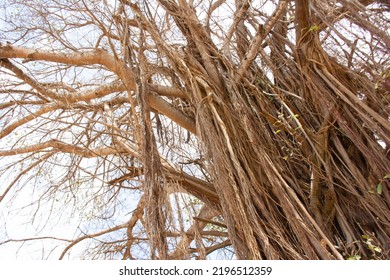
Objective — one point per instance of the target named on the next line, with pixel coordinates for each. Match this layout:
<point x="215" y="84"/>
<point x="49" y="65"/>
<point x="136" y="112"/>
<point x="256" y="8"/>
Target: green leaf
<point x="377" y="249"/>
<point x="314" y="28"/>
<point x="366" y="237"/>
<point x="387" y="176"/>
<point x="379" y="188"/>
<point x="355" y="257"/>
<point x="293" y="116"/>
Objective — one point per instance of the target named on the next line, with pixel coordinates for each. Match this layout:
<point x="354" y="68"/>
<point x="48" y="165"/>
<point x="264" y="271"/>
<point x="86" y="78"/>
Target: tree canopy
<point x="197" y="129"/>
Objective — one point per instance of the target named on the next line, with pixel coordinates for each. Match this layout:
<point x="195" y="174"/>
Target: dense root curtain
<point x="293" y="162"/>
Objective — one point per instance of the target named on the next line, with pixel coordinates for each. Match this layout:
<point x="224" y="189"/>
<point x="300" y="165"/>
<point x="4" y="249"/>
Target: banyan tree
<point x="194" y="129"/>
